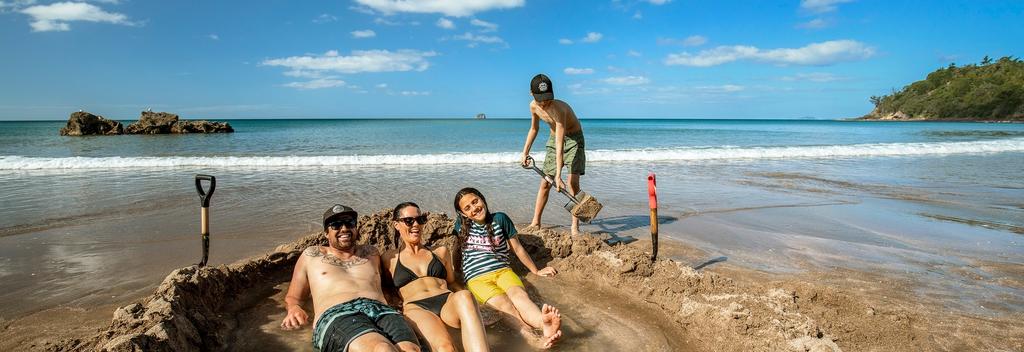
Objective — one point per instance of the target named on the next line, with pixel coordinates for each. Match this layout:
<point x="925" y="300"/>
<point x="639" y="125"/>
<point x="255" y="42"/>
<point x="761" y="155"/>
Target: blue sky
<point x="434" y="58"/>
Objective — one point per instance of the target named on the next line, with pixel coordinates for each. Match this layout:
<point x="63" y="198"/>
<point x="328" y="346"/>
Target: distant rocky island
<point x="82" y="123"/>
<point x="989" y="91"/>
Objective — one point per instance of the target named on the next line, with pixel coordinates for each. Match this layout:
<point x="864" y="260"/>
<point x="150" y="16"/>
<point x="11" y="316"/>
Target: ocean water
<point x="91" y="220"/>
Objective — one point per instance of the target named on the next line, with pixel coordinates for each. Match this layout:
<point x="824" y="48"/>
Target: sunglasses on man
<point x="337" y="224"/>
<point x="422" y="219"/>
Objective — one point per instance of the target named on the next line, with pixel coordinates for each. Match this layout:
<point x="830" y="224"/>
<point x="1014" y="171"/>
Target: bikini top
<point x="403" y="275"/>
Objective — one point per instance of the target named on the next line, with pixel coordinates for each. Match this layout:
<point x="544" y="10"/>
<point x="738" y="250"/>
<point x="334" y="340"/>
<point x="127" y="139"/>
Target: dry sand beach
<point x="612" y="298"/>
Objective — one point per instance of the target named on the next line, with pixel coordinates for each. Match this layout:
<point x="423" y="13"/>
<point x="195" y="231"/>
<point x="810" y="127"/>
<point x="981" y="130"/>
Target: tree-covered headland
<point x="992" y="90"/>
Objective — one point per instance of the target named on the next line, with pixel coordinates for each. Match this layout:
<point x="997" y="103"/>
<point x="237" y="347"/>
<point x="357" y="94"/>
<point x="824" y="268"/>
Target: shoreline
<point x="875" y="294"/>
<point x="922" y="119"/>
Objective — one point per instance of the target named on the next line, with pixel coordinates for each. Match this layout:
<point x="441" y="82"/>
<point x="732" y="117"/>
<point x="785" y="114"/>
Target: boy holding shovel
<point x="565" y="146"/>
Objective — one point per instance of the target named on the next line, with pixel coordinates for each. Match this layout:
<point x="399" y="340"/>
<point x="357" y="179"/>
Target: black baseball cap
<point x="336" y="211"/>
<point x="541" y="88"/>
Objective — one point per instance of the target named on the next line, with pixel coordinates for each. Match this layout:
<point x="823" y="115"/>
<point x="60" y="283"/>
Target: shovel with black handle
<point x="583" y="206"/>
<point x="204" y="212"/>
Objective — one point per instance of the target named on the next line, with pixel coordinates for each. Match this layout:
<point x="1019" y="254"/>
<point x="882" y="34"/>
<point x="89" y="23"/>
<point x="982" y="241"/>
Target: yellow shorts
<point x="486" y="286"/>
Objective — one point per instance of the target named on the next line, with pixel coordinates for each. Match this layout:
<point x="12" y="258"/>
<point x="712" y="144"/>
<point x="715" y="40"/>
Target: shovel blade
<point x="587" y="208"/>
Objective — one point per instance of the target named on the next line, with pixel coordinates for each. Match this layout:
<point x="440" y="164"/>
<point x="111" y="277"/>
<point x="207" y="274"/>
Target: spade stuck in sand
<point x="583" y="206"/>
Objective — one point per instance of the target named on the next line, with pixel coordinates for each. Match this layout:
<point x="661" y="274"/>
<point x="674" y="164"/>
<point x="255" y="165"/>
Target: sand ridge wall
<point x="193" y="308"/>
<point x="720" y="314"/>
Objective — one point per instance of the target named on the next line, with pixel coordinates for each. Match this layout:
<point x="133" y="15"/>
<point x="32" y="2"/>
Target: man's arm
<point x="387" y="283"/>
<point x="530" y="136"/>
<point x="524" y="258"/>
<point x="298" y="289"/>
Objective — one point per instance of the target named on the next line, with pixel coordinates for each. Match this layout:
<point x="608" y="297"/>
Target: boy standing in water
<point x="565" y="146"/>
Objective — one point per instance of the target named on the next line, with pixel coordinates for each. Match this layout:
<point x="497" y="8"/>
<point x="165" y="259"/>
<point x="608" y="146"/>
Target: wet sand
<point x="668" y="304"/>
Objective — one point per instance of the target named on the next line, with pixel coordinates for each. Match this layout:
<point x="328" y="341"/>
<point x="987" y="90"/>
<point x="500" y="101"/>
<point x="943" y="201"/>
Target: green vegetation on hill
<point x="991" y="90"/>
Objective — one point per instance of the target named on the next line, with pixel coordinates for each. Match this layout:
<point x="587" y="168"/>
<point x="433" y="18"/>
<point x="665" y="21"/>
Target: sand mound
<point x="197" y="308"/>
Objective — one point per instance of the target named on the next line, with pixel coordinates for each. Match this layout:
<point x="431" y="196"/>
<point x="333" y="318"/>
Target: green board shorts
<point x="573" y="154"/>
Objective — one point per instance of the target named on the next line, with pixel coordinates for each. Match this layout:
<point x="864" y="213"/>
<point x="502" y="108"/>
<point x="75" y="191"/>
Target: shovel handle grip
<point x="205" y="195"/>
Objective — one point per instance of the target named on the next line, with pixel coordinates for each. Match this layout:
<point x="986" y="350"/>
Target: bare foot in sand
<point x="535" y="341"/>
<point x="552" y="322"/>
<point x="532" y="228"/>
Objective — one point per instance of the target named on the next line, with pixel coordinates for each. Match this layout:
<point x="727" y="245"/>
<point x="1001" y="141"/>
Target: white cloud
<point x="303" y="74"/>
<point x="319" y="83"/>
<point x="476" y="38"/>
<point x="565" y="41"/>
<point x="325" y="18"/>
<point x="816" y="23"/>
<point x="16" y="4"/>
<point x="637" y="15"/>
<point x="634" y="53"/>
<point x="693" y="40"/>
<point x="359" y="61"/>
<point x="592" y="37"/>
<point x="366" y="33"/>
<point x="362" y="10"/>
<point x="213" y="36"/>
<point x="445" y="23"/>
<point x="821" y="6"/>
<point x="725" y="88"/>
<point x="382" y="85"/>
<point x="387" y="22"/>
<point x="659" y="2"/>
<point x="454" y="8"/>
<point x="414" y="93"/>
<point x="55" y="17"/>
<point x="815" y="54"/>
<point x="485" y="26"/>
<point x="818" y="77"/>
<point x="627" y="80"/>
<point x="578" y="71"/>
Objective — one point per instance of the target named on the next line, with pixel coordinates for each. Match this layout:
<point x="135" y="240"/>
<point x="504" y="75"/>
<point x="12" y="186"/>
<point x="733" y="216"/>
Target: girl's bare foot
<point x="552" y="323"/>
<point x="538" y="342"/>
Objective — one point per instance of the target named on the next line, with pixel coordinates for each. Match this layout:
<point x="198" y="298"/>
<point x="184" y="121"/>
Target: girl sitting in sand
<point x="426" y="282"/>
<point x="485" y="239"/>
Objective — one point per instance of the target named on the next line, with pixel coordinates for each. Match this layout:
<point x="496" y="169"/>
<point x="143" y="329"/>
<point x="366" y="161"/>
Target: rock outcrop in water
<point x="164" y="122"/>
<point x="84" y="123"/>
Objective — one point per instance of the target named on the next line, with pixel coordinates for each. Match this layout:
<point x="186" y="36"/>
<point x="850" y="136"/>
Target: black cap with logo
<point x="336" y="211"/>
<point x="541" y="88"/>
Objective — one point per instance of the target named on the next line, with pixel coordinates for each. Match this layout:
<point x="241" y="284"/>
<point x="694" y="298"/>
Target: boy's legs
<point x="574" y="188"/>
<point x="542" y="201"/>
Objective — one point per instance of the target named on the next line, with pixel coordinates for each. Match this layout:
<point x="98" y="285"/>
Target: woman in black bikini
<point x="426" y="282"/>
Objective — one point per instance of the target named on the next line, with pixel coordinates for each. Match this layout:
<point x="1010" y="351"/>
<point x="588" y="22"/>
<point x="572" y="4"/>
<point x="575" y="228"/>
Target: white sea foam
<point x="636" y="155"/>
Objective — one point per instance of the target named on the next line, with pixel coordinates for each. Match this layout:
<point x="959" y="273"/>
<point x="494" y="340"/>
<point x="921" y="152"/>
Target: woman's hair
<point x="394" y="218"/>
<point x="464" y="223"/>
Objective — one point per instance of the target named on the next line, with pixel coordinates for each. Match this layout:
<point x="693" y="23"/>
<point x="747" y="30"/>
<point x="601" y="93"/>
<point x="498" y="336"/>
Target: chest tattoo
<point x="358" y="259"/>
<point x="344" y="264"/>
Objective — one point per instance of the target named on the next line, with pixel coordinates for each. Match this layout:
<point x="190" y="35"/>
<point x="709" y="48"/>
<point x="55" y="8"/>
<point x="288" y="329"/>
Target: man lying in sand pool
<point x="426" y="282"/>
<point x="344" y="280"/>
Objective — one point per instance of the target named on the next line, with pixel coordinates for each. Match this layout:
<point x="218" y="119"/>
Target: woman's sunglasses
<point x="422" y="219"/>
<point x="336" y="225"/>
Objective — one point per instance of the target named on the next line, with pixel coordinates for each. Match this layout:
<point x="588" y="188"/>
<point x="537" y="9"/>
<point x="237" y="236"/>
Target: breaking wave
<point x="635" y="155"/>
